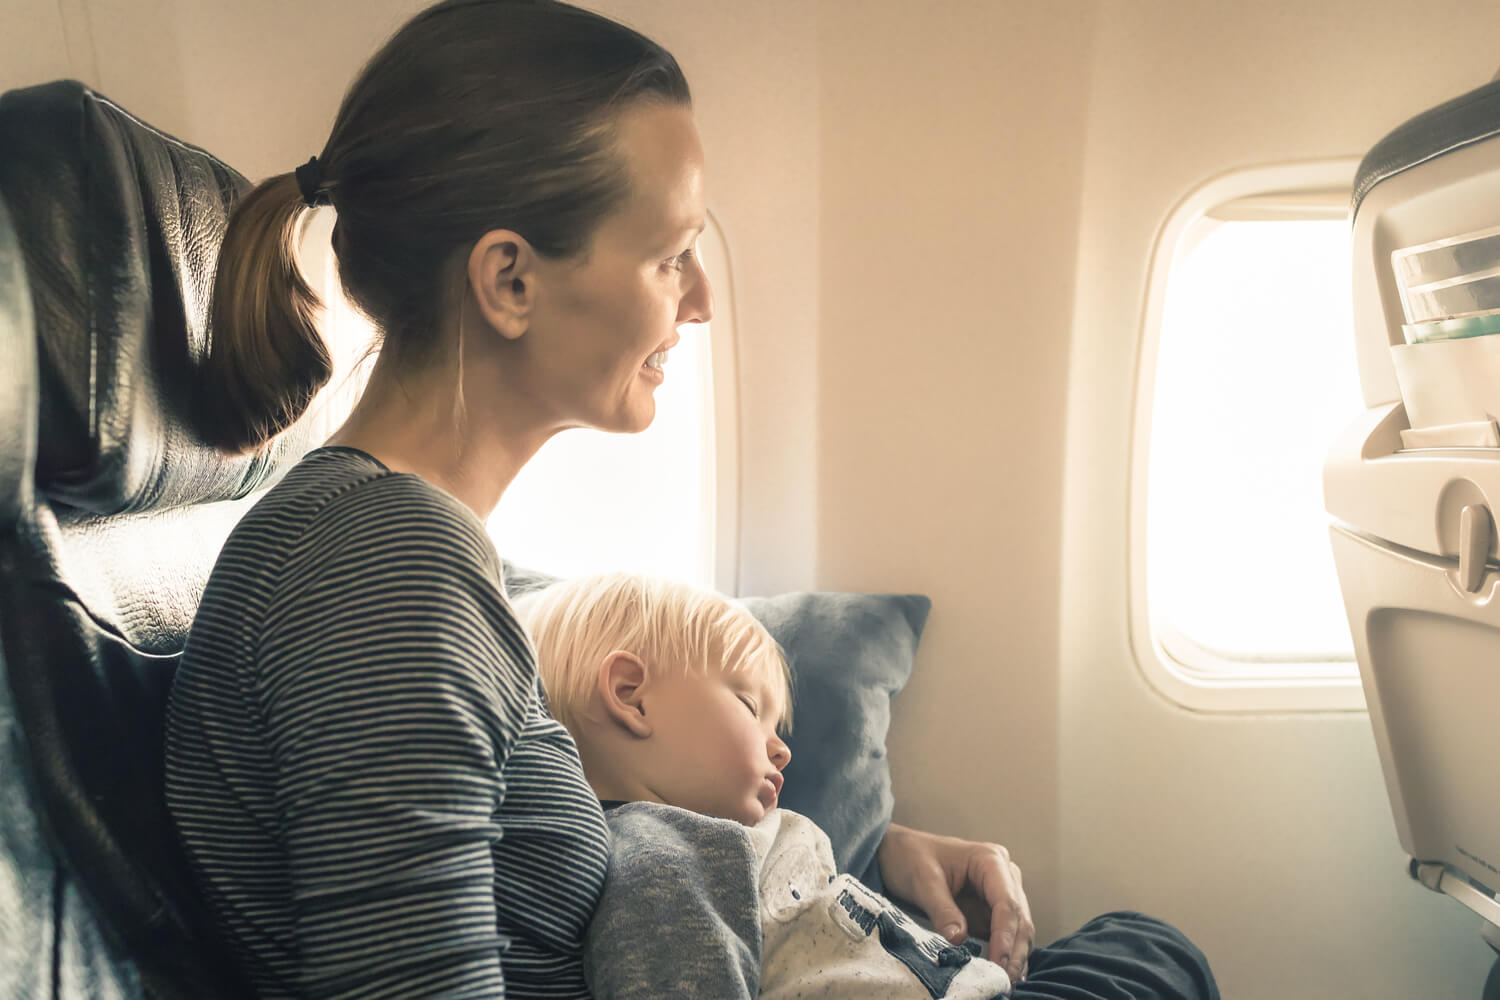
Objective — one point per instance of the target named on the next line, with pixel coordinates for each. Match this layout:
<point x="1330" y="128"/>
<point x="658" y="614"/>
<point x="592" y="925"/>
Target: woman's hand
<point x="964" y="888"/>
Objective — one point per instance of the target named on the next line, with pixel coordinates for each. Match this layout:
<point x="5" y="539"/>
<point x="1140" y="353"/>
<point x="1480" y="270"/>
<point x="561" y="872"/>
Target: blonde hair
<point x="671" y="626"/>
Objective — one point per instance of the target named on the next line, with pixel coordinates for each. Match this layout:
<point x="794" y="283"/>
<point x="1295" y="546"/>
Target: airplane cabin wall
<point x="952" y="165"/>
<point x="33" y="43"/>
<point x="1268" y="837"/>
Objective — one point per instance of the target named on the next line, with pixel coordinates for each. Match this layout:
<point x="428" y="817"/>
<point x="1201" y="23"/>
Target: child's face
<point x="716" y="750"/>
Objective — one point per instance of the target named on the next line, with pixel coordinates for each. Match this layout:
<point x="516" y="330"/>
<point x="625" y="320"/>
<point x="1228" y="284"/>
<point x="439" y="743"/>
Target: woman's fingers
<point x="1011" y="931"/>
<point x="1025" y="932"/>
<point x="931" y="871"/>
<point x="931" y="892"/>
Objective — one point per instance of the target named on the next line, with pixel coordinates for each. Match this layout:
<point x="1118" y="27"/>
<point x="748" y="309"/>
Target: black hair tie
<point x="310" y="183"/>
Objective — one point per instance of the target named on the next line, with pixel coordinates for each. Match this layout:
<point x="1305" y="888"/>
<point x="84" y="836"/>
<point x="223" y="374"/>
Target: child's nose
<point x="779" y="752"/>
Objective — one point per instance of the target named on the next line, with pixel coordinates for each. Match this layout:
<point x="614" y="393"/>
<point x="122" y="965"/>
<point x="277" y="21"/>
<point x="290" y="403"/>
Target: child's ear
<point x="622" y="682"/>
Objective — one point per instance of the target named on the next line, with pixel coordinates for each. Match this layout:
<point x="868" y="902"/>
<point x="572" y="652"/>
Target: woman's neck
<point x="417" y="423"/>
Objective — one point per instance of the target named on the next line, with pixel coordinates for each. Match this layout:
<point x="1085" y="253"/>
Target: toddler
<point x="676" y="698"/>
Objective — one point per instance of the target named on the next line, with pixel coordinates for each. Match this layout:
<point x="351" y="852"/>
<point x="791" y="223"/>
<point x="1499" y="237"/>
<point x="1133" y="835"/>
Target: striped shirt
<point x="372" y="795"/>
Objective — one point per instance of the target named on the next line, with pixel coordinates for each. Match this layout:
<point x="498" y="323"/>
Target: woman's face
<point x="603" y="323"/>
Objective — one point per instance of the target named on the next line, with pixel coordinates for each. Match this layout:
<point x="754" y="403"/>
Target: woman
<point x="368" y="785"/>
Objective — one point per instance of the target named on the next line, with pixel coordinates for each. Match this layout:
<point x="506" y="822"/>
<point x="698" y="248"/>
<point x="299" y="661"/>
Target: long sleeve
<point x="394" y="683"/>
<point x="370" y="792"/>
<point x="680" y="917"/>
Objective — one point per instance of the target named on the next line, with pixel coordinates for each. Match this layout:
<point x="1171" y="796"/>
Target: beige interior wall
<point x="1268" y="838"/>
<point x="952" y="159"/>
<point x="33" y="43"/>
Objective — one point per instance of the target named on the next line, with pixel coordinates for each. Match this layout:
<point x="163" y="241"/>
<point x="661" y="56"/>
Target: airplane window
<point x="1254" y="377"/>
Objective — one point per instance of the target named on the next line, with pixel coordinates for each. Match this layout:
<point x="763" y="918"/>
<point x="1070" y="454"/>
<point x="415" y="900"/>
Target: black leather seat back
<point x="26" y="897"/>
<point x="112" y="514"/>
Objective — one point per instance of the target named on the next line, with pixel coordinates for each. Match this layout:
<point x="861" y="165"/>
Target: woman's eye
<point x="681" y="260"/>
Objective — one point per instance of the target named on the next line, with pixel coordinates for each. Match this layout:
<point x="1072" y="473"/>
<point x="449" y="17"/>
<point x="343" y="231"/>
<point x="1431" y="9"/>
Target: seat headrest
<point x="1452" y="125"/>
<point x="119" y="226"/>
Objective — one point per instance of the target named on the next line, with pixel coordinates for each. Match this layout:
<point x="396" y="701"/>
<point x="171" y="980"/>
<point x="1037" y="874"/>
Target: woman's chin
<point x="635" y="418"/>
<point x="631" y="420"/>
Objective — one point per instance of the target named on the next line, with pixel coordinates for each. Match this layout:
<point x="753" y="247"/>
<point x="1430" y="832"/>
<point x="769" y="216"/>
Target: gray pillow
<point x="849" y="654"/>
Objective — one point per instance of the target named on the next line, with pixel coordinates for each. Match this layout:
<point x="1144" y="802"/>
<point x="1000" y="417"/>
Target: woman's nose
<point x="697" y="306"/>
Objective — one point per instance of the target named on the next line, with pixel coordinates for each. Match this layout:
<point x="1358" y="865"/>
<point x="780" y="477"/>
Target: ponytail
<point x="266" y="359"/>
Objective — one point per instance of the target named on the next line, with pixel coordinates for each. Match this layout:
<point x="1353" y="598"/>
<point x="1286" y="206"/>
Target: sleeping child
<point x="675" y="697"/>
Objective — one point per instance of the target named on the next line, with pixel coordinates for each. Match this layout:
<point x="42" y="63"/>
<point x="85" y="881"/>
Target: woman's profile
<point x="368" y="785"/>
<point x="372" y="794"/>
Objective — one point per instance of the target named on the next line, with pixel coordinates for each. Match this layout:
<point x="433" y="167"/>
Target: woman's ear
<point x="503" y="279"/>
<point x="622" y="683"/>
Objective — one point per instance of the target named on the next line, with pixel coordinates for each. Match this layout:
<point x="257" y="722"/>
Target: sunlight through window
<point x="592" y="502"/>
<point x="1255" y="377"/>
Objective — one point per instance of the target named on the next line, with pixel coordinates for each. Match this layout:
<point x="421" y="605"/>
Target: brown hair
<point x="476" y="115"/>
